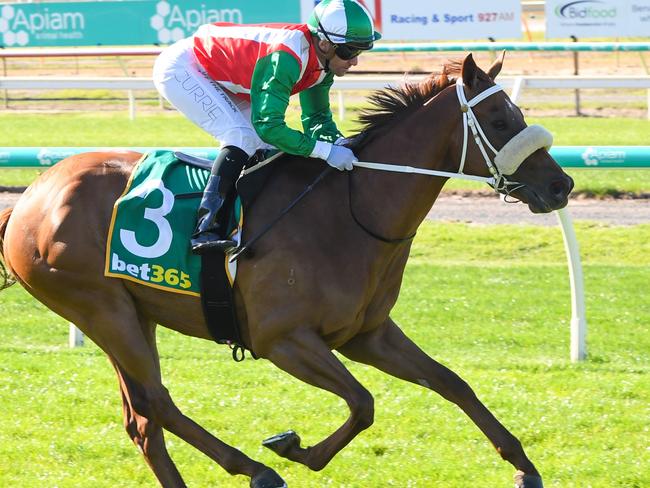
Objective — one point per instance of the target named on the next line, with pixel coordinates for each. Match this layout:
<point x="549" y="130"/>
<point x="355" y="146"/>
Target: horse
<point x="323" y="279"/>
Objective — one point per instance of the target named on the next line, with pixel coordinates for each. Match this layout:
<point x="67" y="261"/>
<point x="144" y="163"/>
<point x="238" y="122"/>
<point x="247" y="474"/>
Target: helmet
<point x="343" y="22"/>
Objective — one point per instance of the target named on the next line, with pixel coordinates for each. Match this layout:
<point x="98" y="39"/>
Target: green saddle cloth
<point x="149" y="236"/>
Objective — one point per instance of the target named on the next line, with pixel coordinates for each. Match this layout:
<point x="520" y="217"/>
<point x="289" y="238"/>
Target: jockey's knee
<point x="244" y="138"/>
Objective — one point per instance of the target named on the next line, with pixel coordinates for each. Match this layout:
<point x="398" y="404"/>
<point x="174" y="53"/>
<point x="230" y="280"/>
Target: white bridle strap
<point x="469" y="119"/>
<point x="421" y="171"/>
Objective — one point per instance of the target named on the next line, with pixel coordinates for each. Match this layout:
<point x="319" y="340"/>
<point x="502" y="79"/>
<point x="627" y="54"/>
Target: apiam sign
<point x="126" y="23"/>
<point x="597" y="18"/>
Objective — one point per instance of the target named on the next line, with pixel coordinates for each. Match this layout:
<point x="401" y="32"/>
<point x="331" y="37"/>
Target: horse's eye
<point x="499" y="125"/>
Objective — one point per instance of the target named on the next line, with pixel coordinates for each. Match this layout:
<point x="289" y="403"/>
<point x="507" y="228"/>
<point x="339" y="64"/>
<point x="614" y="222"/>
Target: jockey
<point x="234" y="81"/>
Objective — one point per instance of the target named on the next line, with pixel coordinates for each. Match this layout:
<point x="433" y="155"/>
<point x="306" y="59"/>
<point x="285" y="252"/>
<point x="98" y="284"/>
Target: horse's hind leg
<point x="138" y="364"/>
<point x="111" y="320"/>
<point x="388" y="349"/>
<point x="146" y="434"/>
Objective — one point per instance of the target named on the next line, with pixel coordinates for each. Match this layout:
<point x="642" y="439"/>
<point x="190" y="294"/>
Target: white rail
<point x="382" y="47"/>
<point x="351" y="82"/>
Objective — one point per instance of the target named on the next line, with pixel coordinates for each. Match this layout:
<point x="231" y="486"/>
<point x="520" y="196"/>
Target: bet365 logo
<point x="172" y="23"/>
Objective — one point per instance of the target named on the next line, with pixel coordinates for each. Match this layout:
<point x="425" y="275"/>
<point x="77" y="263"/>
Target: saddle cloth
<point x="149" y="235"/>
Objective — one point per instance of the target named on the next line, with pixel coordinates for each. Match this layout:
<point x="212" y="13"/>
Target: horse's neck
<point x="397" y="203"/>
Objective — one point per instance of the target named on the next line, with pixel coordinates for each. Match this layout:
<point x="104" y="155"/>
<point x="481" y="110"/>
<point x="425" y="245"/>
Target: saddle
<point x="152" y="221"/>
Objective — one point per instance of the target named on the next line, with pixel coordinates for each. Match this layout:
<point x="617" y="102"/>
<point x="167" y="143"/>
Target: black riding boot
<point x="216" y="204"/>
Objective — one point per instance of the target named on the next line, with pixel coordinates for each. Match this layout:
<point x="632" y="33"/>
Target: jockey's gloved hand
<point x="341" y="158"/>
<point x="342" y="141"/>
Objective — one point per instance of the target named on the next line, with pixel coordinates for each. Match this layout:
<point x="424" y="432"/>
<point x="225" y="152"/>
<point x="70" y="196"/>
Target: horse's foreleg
<point x="305" y="356"/>
<point x="388" y="349"/>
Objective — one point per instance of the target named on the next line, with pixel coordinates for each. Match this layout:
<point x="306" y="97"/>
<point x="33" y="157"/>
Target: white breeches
<point x="180" y="79"/>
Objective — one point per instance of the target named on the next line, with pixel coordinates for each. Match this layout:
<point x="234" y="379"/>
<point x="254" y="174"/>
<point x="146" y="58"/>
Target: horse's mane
<point x="393" y="103"/>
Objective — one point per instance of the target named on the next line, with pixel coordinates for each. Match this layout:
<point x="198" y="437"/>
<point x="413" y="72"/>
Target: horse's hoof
<point x="268" y="479"/>
<point x="282" y="443"/>
<point x="523" y="480"/>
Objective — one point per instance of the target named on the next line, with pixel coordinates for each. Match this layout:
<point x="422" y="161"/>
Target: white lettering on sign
<point x="37" y="22"/>
<point x="443" y="20"/>
<point x="173" y="23"/>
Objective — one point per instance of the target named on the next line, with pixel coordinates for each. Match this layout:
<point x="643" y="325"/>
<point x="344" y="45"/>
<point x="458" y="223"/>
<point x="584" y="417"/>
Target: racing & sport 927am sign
<point x="434" y="20"/>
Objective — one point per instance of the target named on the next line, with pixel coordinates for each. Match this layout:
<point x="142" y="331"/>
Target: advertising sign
<point x="597" y="18"/>
<point x="436" y="20"/>
<point x="432" y="20"/>
<point x="638" y="18"/>
<point x="132" y="22"/>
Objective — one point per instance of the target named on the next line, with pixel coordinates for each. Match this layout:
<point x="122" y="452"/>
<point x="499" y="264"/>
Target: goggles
<point x="346" y="51"/>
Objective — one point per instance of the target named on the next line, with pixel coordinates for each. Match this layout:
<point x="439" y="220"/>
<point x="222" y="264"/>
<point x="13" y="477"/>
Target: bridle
<point x="501" y="183"/>
<point x="505" y="162"/>
<point x="522" y="145"/>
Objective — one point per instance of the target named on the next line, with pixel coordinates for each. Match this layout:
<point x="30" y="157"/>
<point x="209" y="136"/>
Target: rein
<point x="521" y="146"/>
<point x="506" y="162"/>
<point x="366" y="229"/>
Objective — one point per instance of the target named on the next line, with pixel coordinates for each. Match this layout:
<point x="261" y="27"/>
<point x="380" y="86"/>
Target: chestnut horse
<point x="324" y="278"/>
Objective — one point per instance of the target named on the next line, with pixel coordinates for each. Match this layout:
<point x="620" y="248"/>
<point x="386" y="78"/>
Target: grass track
<point x="497" y="313"/>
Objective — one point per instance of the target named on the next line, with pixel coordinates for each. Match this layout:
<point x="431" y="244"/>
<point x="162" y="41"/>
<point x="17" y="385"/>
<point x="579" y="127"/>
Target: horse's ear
<point x="469" y="71"/>
<point x="495" y="69"/>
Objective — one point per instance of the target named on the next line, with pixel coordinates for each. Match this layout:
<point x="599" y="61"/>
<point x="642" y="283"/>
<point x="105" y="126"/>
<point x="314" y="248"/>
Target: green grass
<point x="171" y="129"/>
<point x="491" y="302"/>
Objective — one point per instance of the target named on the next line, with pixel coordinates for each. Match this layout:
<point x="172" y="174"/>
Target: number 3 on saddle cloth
<point x="149" y="236"/>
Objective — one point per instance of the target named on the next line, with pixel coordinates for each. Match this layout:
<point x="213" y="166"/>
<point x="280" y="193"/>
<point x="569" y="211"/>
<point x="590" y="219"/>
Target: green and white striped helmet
<point x="343" y="22"/>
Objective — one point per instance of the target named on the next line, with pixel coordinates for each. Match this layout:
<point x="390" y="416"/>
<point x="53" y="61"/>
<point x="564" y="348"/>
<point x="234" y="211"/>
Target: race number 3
<point x="155" y="215"/>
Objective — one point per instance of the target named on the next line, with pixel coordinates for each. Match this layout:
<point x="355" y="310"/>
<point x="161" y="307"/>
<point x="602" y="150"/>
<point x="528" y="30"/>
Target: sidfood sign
<point x="129" y="22"/>
<point x="597" y="18"/>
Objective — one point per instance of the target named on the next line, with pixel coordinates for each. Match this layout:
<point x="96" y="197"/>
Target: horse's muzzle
<point x="551" y="197"/>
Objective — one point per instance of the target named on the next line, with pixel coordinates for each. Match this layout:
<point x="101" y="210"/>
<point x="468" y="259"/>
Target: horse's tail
<point x="6" y="280"/>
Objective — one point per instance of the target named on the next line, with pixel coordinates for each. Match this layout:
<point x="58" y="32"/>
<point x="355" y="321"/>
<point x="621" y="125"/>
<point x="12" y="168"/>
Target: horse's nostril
<point x="562" y="187"/>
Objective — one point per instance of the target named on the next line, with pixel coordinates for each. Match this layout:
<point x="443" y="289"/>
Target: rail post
<point x="578" y="348"/>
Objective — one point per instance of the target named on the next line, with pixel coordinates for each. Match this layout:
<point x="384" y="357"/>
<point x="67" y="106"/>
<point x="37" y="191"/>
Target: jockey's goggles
<point x="347" y="50"/>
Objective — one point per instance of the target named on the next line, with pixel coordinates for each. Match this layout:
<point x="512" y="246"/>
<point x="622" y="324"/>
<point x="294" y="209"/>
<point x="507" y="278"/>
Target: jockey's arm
<point x="316" y="118"/>
<point x="273" y="79"/>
